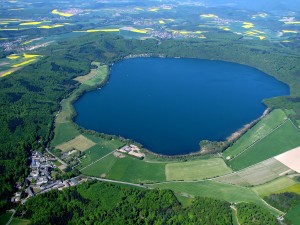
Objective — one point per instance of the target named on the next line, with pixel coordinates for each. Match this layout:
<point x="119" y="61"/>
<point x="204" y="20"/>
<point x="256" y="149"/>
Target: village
<point x="43" y="170"/>
<point x="42" y="178"/>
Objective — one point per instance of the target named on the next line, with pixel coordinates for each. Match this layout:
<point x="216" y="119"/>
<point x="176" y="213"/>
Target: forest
<point x="102" y="203"/>
<point x="30" y="98"/>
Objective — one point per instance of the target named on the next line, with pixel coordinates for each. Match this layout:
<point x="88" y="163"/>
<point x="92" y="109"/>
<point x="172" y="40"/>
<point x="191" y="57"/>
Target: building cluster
<point x="132" y="150"/>
<point x="40" y="179"/>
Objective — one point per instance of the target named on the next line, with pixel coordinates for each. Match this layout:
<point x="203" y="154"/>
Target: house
<point x="73" y="182"/>
<point x="29" y="191"/>
<point x="136" y="154"/>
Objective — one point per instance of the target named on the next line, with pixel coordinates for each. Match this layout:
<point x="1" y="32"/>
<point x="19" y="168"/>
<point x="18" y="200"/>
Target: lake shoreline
<point x="234" y="136"/>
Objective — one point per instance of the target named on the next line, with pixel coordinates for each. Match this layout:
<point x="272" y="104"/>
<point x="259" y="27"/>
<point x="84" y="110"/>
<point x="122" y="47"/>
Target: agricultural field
<point x="273" y="186"/>
<point x="294" y="188"/>
<point x="294" y="215"/>
<point x="17" y="221"/>
<point x="65" y="129"/>
<point x="80" y="143"/>
<point x="64" y="132"/>
<point x="14" y="62"/>
<point x="213" y="189"/>
<point x="126" y="168"/>
<point x="98" y="151"/>
<point x="284" y="138"/>
<point x="137" y="171"/>
<point x="95" y="76"/>
<point x="102" y="74"/>
<point x="196" y="170"/>
<point x="260" y="173"/>
<point x="257" y="132"/>
<point x="99" y="168"/>
<point x="290" y="159"/>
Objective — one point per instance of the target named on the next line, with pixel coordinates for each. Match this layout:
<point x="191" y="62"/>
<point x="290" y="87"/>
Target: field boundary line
<point x="116" y="181"/>
<point x="154" y="162"/>
<point x="97" y="160"/>
<point x="254" y="143"/>
<point x="297" y="128"/>
<point x="283" y="213"/>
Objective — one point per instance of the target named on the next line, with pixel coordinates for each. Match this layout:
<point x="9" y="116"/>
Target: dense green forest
<point x="249" y="214"/>
<point x="283" y="201"/>
<point x="30" y="97"/>
<point x="101" y="203"/>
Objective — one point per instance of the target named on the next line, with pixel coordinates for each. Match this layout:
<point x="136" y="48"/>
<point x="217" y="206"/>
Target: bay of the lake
<point x="170" y="105"/>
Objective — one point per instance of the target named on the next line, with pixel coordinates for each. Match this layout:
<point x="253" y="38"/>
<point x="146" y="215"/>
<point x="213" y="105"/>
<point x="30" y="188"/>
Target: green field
<point x="212" y="189"/>
<point x="102" y="73"/>
<point x="260" y="173"/>
<point x="65" y="129"/>
<point x="294" y="215"/>
<point x="230" y="193"/>
<point x="4" y="218"/>
<point x="137" y="171"/>
<point x="234" y="217"/>
<point x="98" y="151"/>
<point x="283" y="139"/>
<point x="64" y="132"/>
<point x="274" y="186"/>
<point x="294" y="188"/>
<point x="260" y="130"/>
<point x="196" y="170"/>
<point x="17" y="221"/>
<point x="79" y="143"/>
<point x="128" y="169"/>
<point x="100" y="168"/>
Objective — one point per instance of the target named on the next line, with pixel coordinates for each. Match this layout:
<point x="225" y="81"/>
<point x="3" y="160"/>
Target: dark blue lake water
<point x="169" y="105"/>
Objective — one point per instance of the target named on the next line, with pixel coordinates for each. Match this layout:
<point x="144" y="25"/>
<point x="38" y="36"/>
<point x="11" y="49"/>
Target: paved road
<point x="118" y="182"/>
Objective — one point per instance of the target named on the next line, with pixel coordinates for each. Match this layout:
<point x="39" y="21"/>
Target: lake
<point x="169" y="105"/>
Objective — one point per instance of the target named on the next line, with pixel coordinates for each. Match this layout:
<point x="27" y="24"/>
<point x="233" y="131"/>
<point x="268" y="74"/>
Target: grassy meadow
<point x="4" y="218"/>
<point x="137" y="171"/>
<point x="273" y="186"/>
<point x="281" y="140"/>
<point x="196" y="170"/>
<point x="230" y="193"/>
<point x="64" y="132"/>
<point x="294" y="188"/>
<point x="260" y="173"/>
<point x="257" y="132"/>
<point x="294" y="215"/>
<point x="80" y="143"/>
<point x="17" y="221"/>
<point x="128" y="169"/>
<point x="98" y="151"/>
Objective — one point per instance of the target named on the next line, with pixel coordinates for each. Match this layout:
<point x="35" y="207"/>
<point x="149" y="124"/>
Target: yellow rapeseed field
<point x="23" y="63"/>
<point x="55" y="11"/>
